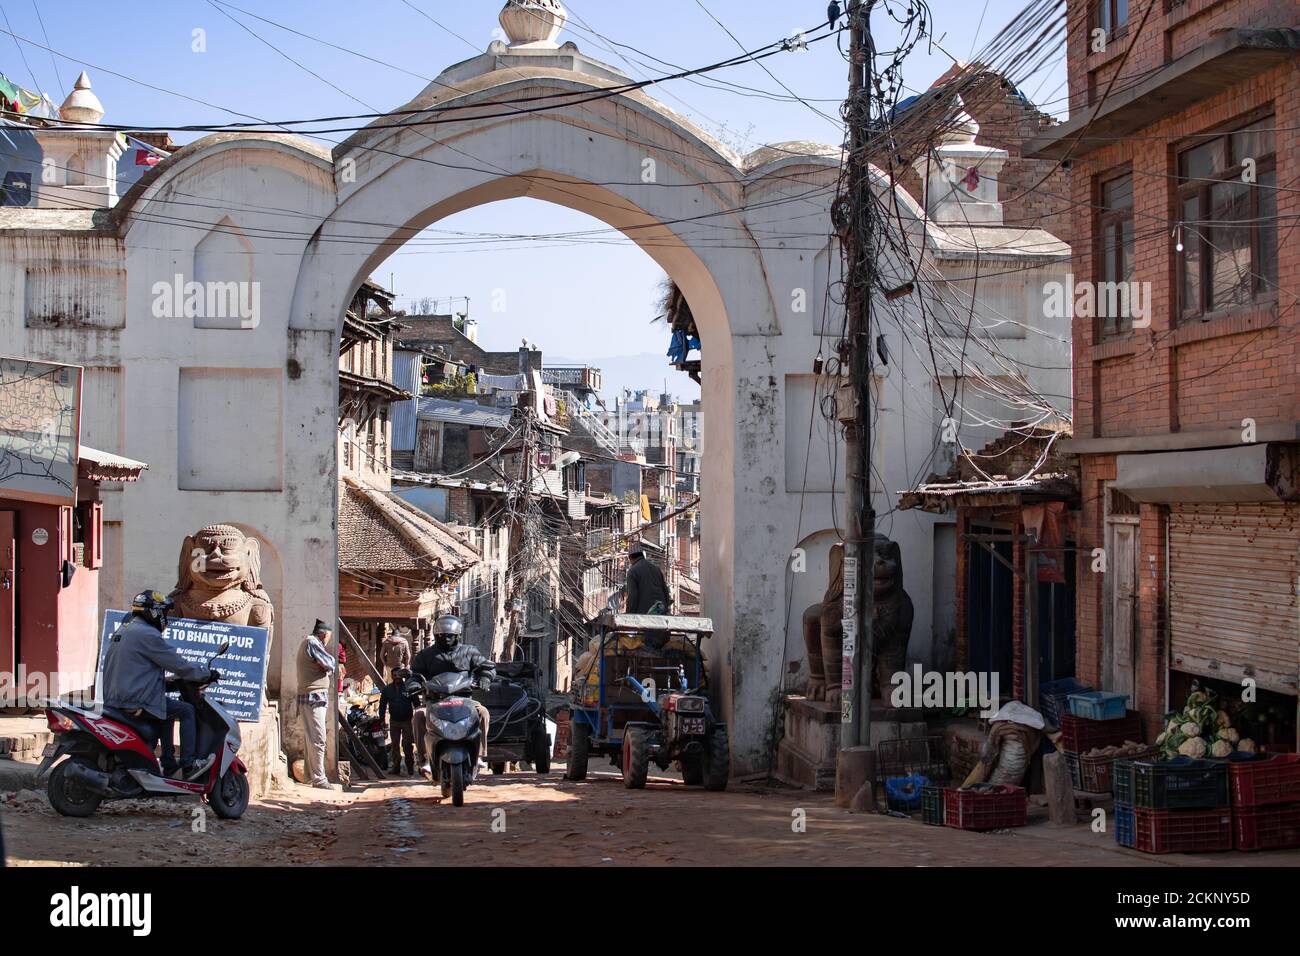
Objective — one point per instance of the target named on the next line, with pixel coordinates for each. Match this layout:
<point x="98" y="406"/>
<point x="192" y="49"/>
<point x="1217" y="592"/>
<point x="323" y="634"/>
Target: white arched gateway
<point x="237" y="416"/>
<point x="738" y="236"/>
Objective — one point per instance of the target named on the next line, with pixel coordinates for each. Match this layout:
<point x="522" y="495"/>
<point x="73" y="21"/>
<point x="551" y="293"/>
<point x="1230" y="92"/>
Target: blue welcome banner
<point x="243" y="669"/>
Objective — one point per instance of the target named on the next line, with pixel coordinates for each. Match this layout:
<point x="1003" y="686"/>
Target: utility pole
<point x="522" y="547"/>
<point x="855" y="767"/>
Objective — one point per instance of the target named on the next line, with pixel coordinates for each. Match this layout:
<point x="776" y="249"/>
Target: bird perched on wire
<point x="833" y="13"/>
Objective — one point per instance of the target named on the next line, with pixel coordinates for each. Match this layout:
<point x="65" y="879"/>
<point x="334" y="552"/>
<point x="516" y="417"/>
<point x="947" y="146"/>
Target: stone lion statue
<point x="219" y="578"/>
<point x="823" y="628"/>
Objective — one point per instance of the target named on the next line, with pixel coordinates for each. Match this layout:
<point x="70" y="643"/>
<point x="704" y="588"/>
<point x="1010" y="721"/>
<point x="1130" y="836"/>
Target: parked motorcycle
<point x="111" y="757"/>
<point x="371" y="731"/>
<point x="452" y="731"/>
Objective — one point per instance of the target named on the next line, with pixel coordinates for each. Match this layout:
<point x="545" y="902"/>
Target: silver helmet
<point x="447" y="631"/>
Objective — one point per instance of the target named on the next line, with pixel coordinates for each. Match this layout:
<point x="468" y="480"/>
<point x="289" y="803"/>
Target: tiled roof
<point x="379" y="531"/>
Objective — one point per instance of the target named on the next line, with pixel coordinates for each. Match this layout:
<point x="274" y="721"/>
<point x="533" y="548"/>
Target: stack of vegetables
<point x="1202" y="729"/>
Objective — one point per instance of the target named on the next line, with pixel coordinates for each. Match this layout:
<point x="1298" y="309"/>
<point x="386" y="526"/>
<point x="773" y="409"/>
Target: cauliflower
<point x="1161" y="739"/>
<point x="1246" y="745"/>
<point x="1191" y="729"/>
<point x="1221" y="748"/>
<point x="1230" y="734"/>
<point x="1192" y="747"/>
<point x="1223" y="720"/>
<point x="1172" y="725"/>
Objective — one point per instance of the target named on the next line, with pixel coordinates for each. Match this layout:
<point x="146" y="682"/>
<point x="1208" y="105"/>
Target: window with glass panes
<point x="1110" y="15"/>
<point x="1115" y="251"/>
<point x="1227" y="212"/>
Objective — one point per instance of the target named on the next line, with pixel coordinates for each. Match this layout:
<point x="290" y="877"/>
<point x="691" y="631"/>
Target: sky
<point x="184" y="62"/>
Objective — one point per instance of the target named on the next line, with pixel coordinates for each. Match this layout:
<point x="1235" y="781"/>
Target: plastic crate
<point x="1180" y="784"/>
<point x="1079" y="734"/>
<point x="1096" y="774"/>
<point x="1054" y="698"/>
<point x="1121" y="780"/>
<point x="1124" y="834"/>
<point x="986" y="807"/>
<point x="1099" y="705"/>
<point x="1261" y="783"/>
<point x="1182" y="831"/>
<point x="932" y="806"/>
<point x="1266" y="828"/>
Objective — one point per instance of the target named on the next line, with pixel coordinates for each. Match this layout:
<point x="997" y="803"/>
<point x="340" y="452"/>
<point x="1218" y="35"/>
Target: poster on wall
<point x="40" y="427"/>
<point x="243" y="668"/>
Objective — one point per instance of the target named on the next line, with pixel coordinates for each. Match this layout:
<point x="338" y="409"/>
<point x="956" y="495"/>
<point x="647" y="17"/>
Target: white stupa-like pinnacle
<point x="82" y="105"/>
<point x="533" y="24"/>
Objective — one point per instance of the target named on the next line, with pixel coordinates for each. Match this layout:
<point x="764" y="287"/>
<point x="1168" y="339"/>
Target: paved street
<point x="551" y="822"/>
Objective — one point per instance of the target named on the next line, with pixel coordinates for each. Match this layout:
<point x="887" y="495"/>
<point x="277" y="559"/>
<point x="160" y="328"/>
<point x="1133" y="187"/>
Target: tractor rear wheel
<point x="717" y="759"/>
<point x="579" y="751"/>
<point x="636" y="757"/>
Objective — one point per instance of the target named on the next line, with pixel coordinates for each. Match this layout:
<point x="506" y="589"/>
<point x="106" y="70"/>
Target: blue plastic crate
<point x="1124" y="830"/>
<point x="1054" y="698"/>
<point x="1121" y="781"/>
<point x="1098" y="705"/>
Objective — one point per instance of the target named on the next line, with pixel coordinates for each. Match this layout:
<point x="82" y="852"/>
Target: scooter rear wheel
<point x="68" y="797"/>
<point x="229" y="798"/>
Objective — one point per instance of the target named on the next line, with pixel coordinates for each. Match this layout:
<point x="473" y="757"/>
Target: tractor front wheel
<point x="636" y="757"/>
<point x="579" y="751"/>
<point x="717" y="760"/>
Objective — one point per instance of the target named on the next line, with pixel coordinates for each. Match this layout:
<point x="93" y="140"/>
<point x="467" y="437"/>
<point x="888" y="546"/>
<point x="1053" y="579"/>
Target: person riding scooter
<point x="134" y="679"/>
<point x="447" y="654"/>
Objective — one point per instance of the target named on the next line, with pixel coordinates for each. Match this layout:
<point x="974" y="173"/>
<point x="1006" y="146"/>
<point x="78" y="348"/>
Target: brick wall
<point x="1173" y="377"/>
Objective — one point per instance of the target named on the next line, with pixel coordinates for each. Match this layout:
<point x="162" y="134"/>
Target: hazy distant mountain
<point x="646" y="370"/>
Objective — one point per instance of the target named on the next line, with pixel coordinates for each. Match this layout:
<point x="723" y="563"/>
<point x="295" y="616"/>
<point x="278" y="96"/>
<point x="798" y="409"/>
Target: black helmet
<point x="447" y="631"/>
<point x="153" y="606"/>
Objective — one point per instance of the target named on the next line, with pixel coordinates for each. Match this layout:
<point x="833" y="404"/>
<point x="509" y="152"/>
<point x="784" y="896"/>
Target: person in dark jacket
<point x="448" y="654"/>
<point x="400" y="711"/>
<point x="646" y="591"/>
<point x="134" y="678"/>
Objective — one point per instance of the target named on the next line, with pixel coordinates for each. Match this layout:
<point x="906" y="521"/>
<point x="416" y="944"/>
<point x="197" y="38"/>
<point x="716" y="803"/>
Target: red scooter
<point x="111" y="757"/>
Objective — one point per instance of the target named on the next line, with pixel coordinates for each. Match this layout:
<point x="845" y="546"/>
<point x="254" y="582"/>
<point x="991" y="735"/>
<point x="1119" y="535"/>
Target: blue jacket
<point x="135" y="667"/>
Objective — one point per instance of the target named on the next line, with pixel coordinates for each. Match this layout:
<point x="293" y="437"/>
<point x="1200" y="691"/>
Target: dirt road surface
<point x="524" y="819"/>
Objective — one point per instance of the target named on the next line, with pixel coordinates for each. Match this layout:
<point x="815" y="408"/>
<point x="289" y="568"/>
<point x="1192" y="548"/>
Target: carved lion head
<point x="220" y="557"/>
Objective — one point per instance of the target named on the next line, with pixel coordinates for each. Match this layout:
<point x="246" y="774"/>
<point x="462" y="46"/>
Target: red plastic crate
<point x="988" y="808"/>
<point x="1266" y="828"/>
<point x="1261" y="783"/>
<point x="1182" y="831"/>
<point x="1079" y="735"/>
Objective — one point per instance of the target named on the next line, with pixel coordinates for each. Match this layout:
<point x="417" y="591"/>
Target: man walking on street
<point x="646" y="591"/>
<point x="401" y="739"/>
<point x="395" y="652"/>
<point x="315" y="664"/>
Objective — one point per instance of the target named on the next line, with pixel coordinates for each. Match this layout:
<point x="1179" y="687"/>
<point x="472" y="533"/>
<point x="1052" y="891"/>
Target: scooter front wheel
<point x="229" y="798"/>
<point x="458" y="785"/>
<point x="68" y="796"/>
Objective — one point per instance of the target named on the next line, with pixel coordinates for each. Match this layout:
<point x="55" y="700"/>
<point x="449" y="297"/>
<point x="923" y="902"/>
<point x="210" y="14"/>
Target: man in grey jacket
<point x="134" y="678"/>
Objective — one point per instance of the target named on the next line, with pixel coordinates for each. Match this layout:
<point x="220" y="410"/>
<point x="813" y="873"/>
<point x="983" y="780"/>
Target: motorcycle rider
<point x="448" y="654"/>
<point x="134" y="677"/>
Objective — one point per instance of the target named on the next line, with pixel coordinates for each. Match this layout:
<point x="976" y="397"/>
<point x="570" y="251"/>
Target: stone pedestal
<point x="806" y="755"/>
<point x="259" y="748"/>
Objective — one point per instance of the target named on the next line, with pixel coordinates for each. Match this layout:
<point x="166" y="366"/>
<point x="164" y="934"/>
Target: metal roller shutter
<point x="1233" y="573"/>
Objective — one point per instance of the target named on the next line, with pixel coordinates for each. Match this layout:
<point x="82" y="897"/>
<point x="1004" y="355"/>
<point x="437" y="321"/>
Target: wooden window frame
<point x="1106" y="327"/>
<point x="1203" y="310"/>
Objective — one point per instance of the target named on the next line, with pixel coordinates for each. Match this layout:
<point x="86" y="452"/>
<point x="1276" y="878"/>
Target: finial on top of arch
<point x="533" y="24"/>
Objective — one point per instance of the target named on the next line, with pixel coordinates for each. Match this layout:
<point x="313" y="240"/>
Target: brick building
<point x="1181" y="146"/>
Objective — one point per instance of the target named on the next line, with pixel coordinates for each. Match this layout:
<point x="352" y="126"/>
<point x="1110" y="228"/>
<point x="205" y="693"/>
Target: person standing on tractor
<point x="447" y="654"/>
<point x="646" y="593"/>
